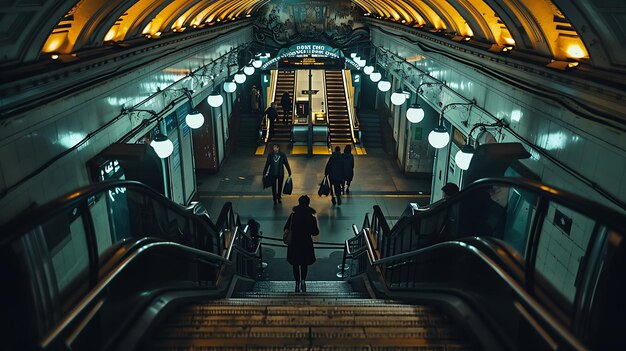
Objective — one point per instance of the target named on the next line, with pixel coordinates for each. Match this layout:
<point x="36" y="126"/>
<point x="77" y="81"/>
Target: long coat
<point x="348" y="166"/>
<point x="303" y="229"/>
<point x="282" y="161"/>
<point x="334" y="168"/>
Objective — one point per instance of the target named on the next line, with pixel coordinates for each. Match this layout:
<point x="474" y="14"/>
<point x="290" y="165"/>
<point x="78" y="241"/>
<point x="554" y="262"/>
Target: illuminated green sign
<point x="309" y="50"/>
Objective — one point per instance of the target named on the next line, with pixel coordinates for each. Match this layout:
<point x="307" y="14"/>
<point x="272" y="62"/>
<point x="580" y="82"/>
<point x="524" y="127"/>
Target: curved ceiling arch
<point x="583" y="30"/>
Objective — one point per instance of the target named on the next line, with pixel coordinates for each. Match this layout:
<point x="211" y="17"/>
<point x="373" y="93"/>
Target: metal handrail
<point x="315" y="242"/>
<point x="31" y="219"/>
<point x="93" y="294"/>
<point x="497" y="268"/>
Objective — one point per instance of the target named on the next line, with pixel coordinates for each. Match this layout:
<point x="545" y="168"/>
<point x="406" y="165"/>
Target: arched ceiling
<point x="591" y="31"/>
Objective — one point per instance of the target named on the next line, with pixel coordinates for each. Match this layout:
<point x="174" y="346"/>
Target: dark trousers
<point x="286" y="114"/>
<point x="277" y="187"/>
<point x="335" y="188"/>
<point x="299" y="272"/>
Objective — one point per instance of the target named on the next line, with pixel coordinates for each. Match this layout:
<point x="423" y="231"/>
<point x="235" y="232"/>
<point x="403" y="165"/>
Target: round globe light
<point x="415" y="113"/>
<point x="384" y="85"/>
<point x="215" y="99"/>
<point x="240" y="78"/>
<point x="248" y="70"/>
<point x="439" y="137"/>
<point x="398" y="98"/>
<point x="360" y="62"/>
<point x="375" y="76"/>
<point x="230" y="87"/>
<point x="368" y="70"/>
<point x="353" y="54"/>
<point x="257" y="63"/>
<point x="162" y="146"/>
<point x="464" y="156"/>
<point x="194" y="120"/>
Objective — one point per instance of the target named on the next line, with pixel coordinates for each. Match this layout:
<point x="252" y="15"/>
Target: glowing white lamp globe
<point x="360" y="62"/>
<point x="215" y="99"/>
<point x="439" y="137"/>
<point x="240" y="78"/>
<point x="415" y="113"/>
<point x="162" y="146"/>
<point x="464" y="156"/>
<point x="194" y="120"/>
<point x="375" y="76"/>
<point x="230" y="87"/>
<point x="257" y="63"/>
<point x="248" y="70"/>
<point x="398" y="98"/>
<point x="384" y="85"/>
<point x="353" y="54"/>
<point x="368" y="70"/>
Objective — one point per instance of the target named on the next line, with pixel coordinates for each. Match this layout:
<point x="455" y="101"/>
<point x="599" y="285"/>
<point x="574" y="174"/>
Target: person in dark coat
<point x="272" y="116"/>
<point x="300" y="253"/>
<point x="276" y="160"/>
<point x="334" y="171"/>
<point x="348" y="168"/>
<point x="285" y="102"/>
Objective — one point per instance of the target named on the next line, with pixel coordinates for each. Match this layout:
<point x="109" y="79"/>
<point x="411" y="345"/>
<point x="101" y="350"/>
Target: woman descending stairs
<point x="329" y="316"/>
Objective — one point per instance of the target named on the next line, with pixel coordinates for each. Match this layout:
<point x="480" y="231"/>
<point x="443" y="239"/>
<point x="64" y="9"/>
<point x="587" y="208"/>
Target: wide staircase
<point x="338" y="118"/>
<point x="330" y="315"/>
<point x="476" y="271"/>
<point x="281" y="132"/>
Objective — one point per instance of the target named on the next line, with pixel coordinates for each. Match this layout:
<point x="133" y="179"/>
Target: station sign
<point x="309" y="56"/>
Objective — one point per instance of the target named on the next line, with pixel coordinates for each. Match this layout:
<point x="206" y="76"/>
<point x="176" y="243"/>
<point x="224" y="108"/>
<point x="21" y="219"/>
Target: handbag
<point x="288" y="188"/>
<point x="267" y="181"/>
<point x="324" y="189"/>
<point x="287" y="232"/>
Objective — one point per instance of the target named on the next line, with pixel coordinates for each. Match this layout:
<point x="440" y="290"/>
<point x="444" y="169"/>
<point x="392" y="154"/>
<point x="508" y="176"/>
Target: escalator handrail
<point x="31" y="219"/>
<point x="584" y="206"/>
<point x="466" y="245"/>
<point x="104" y="283"/>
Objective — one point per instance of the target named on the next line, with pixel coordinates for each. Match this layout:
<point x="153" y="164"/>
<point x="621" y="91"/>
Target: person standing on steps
<point x="348" y="169"/>
<point x="255" y="99"/>
<point x="272" y="117"/>
<point x="273" y="169"/>
<point x="334" y="171"/>
<point x="302" y="224"/>
<point x="285" y="102"/>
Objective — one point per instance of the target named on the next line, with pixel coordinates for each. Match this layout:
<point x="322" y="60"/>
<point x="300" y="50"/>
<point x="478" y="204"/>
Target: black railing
<point x="77" y="262"/>
<point x="540" y="258"/>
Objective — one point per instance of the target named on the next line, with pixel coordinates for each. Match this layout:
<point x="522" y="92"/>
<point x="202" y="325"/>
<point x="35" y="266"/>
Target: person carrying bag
<point x="324" y="189"/>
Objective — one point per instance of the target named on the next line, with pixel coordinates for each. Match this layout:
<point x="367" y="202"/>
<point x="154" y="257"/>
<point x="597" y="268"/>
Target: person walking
<point x="273" y="169"/>
<point x="334" y="171"/>
<point x="255" y="99"/>
<point x="302" y="224"/>
<point x="272" y="116"/>
<point x="285" y="102"/>
<point x="348" y="169"/>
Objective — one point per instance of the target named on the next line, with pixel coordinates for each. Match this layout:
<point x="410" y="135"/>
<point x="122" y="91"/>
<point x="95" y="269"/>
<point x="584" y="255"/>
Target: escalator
<point x="281" y="132"/>
<point x="338" y="117"/>
<point x="184" y="281"/>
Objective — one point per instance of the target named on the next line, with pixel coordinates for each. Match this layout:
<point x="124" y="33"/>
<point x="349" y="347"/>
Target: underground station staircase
<point x="328" y="316"/>
<point x="284" y="83"/>
<point x="338" y="118"/>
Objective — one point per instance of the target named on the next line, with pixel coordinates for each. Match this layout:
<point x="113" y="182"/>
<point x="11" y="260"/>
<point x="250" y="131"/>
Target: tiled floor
<point x="377" y="182"/>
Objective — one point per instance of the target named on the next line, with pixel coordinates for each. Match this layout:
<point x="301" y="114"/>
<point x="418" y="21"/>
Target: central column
<point x="310" y="118"/>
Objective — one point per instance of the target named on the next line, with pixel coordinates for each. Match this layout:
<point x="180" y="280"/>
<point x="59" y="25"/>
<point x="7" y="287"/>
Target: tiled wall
<point x="72" y="258"/>
<point x="559" y="254"/>
<point x="596" y="151"/>
<point x="31" y="139"/>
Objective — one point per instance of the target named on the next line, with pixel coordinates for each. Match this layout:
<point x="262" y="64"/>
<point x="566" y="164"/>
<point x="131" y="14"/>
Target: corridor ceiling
<point x="591" y="31"/>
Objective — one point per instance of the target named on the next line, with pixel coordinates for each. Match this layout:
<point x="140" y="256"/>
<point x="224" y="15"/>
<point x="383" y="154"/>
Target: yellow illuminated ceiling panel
<point x="545" y="24"/>
<point x="375" y="7"/>
<point x="129" y="19"/>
